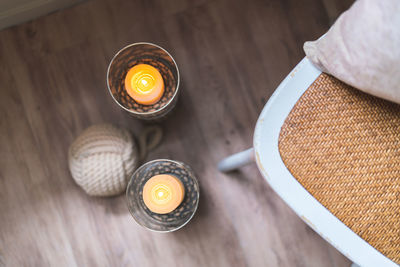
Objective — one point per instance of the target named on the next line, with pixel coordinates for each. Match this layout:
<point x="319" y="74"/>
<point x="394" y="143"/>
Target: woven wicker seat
<point x="343" y="146"/>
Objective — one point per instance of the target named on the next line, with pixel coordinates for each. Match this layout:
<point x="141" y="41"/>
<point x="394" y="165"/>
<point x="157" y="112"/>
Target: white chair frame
<point x="269" y="162"/>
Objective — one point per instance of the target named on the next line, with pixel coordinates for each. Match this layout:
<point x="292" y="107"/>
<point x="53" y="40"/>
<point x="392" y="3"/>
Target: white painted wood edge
<point x="236" y="161"/>
<point x="28" y="10"/>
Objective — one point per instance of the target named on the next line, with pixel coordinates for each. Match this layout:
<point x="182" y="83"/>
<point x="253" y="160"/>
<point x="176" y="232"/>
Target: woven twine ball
<point x="102" y="159"/>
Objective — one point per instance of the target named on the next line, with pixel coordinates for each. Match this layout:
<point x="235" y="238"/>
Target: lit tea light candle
<point x="144" y="84"/>
<point x="163" y="193"/>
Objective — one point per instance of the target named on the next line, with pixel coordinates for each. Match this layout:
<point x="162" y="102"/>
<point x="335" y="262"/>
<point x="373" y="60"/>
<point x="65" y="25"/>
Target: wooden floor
<point x="231" y="54"/>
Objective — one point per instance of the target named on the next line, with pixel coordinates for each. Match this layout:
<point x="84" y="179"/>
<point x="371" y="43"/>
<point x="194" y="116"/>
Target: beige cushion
<point x="362" y="48"/>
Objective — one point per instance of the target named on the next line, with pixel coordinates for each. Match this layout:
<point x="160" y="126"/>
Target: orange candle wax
<point x="163" y="193"/>
<point x="144" y="84"/>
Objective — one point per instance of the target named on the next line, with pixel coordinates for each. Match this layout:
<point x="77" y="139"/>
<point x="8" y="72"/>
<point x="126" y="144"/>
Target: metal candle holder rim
<point x="180" y="226"/>
<point x="177" y="83"/>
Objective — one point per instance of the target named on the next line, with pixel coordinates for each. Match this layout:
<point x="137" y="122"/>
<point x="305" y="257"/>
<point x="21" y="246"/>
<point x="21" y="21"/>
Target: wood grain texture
<point x="231" y="55"/>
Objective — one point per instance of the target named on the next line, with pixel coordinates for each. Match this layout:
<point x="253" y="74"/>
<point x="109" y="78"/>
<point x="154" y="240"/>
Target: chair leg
<point x="236" y="161"/>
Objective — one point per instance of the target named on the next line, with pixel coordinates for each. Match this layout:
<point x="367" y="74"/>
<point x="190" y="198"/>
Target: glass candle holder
<point x="163" y="222"/>
<point x="143" y="53"/>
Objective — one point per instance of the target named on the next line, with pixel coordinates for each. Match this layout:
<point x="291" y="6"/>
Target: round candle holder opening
<point x="175" y="219"/>
<point x="155" y="56"/>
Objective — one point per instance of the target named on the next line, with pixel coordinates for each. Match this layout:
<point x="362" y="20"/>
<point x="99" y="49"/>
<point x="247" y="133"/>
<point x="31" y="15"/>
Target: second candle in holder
<point x="163" y="193"/>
